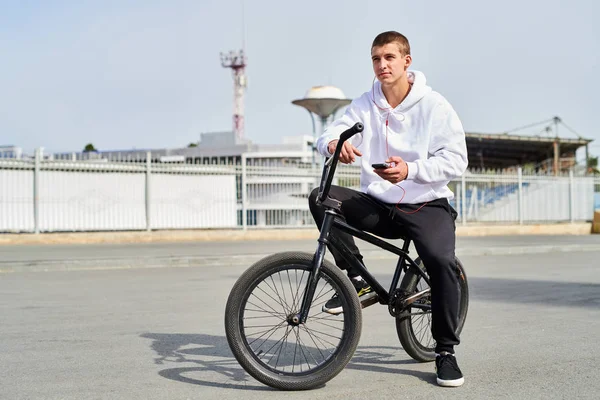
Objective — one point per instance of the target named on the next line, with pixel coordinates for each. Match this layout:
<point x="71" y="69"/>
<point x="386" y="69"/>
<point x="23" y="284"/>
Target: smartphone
<point x="381" y="165"/>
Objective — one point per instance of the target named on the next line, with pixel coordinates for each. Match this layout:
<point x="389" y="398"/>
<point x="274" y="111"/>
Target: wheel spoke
<point x="424" y="327"/>
<point x="297" y="333"/>
<point x="330" y="326"/>
<point x="265" y="303"/>
<point x="262" y="310"/>
<point x="276" y="290"/>
<point x="312" y="337"/>
<point x="298" y="284"/>
<point x="326" y="334"/>
<point x="263" y="333"/>
<point x="307" y="331"/>
<point x="327" y="317"/>
<point x="284" y="345"/>
<point x="295" y="352"/>
<point x="283" y="291"/>
<point x="285" y="312"/>
<point x="283" y="338"/>
<point x="320" y="294"/>
<point x="266" y="316"/>
<point x="420" y="321"/>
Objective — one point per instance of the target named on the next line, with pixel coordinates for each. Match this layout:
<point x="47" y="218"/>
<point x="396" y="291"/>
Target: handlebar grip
<point x="358" y="127"/>
<point x="329" y="167"/>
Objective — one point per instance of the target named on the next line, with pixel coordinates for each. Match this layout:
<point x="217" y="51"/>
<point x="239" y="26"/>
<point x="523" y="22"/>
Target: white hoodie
<point x="424" y="130"/>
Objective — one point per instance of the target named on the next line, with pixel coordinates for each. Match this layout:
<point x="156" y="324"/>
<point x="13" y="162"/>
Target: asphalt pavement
<point x="118" y="332"/>
<point x="61" y="257"/>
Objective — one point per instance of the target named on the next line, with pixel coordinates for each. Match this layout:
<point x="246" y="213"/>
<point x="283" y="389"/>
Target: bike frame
<point x="334" y="219"/>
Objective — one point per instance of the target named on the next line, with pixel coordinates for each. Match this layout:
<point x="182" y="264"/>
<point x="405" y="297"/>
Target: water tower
<point x="324" y="101"/>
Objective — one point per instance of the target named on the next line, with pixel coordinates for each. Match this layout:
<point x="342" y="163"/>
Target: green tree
<point x="89" y="147"/>
<point x="529" y="168"/>
<point x="193" y="145"/>
<point x="592" y="165"/>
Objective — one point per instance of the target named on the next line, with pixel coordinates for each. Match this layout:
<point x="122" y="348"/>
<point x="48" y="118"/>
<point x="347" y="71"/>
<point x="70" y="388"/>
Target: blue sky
<point x="147" y="74"/>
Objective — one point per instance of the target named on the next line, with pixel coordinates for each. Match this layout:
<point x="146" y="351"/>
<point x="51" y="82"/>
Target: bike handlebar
<point x="330" y="164"/>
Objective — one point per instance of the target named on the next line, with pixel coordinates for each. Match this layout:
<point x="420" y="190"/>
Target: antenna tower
<point x="237" y="62"/>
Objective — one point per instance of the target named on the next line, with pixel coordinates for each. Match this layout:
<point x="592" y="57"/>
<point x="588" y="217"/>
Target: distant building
<point x="508" y="151"/>
<point x="11" y="152"/>
<point x="213" y="148"/>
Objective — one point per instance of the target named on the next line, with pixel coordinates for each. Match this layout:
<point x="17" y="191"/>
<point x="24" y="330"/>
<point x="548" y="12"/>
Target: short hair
<point x="390" y="37"/>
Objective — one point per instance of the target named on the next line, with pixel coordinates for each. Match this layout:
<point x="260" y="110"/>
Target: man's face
<point x="389" y="64"/>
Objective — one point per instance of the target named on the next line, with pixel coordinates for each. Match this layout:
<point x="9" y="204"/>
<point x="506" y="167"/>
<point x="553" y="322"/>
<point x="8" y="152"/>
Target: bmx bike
<point x="274" y="321"/>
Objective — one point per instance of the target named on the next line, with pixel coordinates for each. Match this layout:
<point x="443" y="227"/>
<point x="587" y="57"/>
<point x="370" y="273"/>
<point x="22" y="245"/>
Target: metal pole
<point x="571" y="196"/>
<point x="556" y="147"/>
<point x="520" y="174"/>
<point x="148" y="177"/>
<point x="587" y="159"/>
<point x="556" y="157"/>
<point x="314" y="143"/>
<point x="463" y="188"/>
<point x="458" y="207"/>
<point x="36" y="191"/>
<point x="244" y="194"/>
<point x="323" y="126"/>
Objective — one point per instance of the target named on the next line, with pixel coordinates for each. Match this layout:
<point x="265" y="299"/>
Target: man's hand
<point x="397" y="173"/>
<point x="348" y="153"/>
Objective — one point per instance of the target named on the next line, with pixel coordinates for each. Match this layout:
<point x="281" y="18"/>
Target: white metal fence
<point x="42" y="195"/>
<point x="518" y="198"/>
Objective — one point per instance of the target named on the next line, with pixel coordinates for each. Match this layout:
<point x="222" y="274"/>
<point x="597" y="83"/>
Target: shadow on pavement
<point x="210" y="356"/>
<point x="528" y="291"/>
<point x="523" y="291"/>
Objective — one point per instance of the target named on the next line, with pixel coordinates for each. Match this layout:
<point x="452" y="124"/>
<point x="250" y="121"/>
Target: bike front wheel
<point x="266" y="341"/>
<point x="414" y="324"/>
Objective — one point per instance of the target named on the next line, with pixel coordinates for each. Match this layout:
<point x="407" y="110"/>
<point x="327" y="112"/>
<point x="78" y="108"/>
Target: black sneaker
<point x="366" y="295"/>
<point x="448" y="373"/>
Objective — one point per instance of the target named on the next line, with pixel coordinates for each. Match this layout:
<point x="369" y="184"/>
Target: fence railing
<point x="53" y="195"/>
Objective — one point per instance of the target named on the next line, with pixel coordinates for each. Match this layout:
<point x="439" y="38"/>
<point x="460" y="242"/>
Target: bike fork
<point x="313" y="277"/>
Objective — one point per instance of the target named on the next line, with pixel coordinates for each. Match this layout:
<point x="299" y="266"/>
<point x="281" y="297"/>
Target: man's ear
<point x="408" y="61"/>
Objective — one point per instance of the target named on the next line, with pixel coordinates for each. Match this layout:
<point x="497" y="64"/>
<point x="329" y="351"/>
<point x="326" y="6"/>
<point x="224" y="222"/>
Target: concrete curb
<point x="266" y="234"/>
<point x="246" y="260"/>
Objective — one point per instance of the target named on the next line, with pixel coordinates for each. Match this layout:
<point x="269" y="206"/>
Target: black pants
<point x="432" y="230"/>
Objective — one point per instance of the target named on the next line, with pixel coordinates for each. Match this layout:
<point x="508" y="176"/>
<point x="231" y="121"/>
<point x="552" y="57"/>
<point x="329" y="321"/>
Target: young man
<point x="417" y="132"/>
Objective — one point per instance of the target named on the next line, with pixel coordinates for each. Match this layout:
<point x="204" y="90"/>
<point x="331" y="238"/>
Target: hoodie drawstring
<point x="387" y="147"/>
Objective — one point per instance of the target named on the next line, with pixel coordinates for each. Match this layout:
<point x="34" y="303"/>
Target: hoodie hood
<point x="417" y="92"/>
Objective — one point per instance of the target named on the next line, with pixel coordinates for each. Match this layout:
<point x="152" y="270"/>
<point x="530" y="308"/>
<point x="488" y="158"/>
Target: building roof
<point x="504" y="150"/>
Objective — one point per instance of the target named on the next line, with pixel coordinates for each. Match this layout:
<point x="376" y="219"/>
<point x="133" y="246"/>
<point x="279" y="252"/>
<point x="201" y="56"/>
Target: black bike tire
<point x="407" y="337"/>
<point x="234" y="332"/>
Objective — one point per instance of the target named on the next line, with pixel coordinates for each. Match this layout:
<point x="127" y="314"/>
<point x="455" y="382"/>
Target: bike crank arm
<point x="417" y="296"/>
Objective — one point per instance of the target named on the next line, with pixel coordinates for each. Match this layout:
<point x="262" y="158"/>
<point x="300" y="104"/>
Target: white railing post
<point x="520" y="180"/>
<point x="36" y="190"/>
<point x="147" y="195"/>
<point x="471" y="207"/>
<point x="244" y="188"/>
<point x="463" y="208"/>
<point x="571" y="196"/>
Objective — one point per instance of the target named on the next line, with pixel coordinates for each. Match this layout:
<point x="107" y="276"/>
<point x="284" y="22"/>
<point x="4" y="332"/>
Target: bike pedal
<point x="369" y="302"/>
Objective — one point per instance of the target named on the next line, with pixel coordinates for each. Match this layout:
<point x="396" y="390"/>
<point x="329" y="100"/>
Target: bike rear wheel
<point x="269" y="345"/>
<point x="414" y="325"/>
